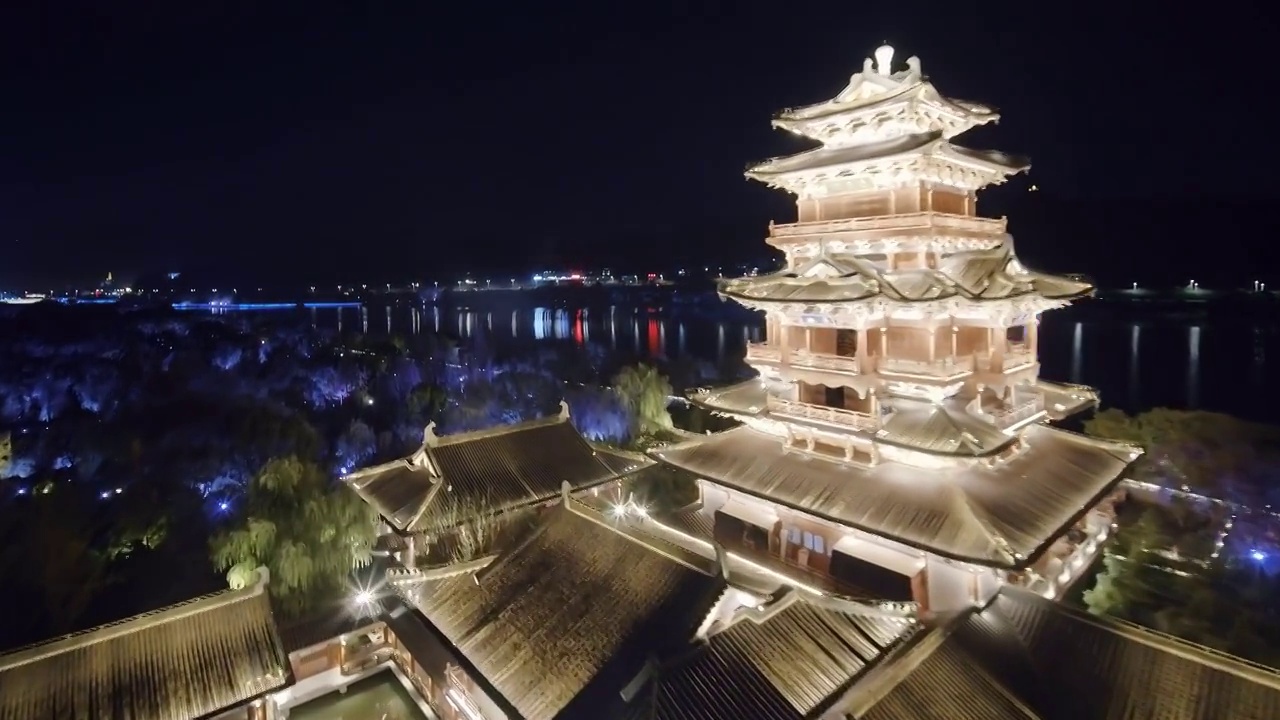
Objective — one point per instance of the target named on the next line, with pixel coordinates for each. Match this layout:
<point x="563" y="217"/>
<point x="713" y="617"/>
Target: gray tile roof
<point x="458" y="477"/>
<point x="1026" y="657"/>
<point x="784" y="667"/>
<point x="560" y="624"/>
<point x="1002" y="516"/>
<point x="180" y="662"/>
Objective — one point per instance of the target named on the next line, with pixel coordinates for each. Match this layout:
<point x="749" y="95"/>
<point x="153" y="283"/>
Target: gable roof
<point x="456" y="478"/>
<point x="565" y="620"/>
<point x="1027" y="658"/>
<point x="781" y="664"/>
<point x="177" y="663"/>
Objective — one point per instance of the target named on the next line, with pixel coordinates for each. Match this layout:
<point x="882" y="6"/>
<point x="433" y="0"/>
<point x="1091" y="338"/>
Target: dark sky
<point x="400" y="139"/>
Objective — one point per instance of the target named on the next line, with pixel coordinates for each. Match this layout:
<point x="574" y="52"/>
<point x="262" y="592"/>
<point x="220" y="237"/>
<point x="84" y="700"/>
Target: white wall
<point x="951" y="586"/>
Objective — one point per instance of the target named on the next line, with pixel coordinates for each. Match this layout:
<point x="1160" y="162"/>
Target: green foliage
<point x="1213" y="453"/>
<point x="664" y="489"/>
<point x="645" y="393"/>
<point x="309" y="533"/>
<point x="6" y="455"/>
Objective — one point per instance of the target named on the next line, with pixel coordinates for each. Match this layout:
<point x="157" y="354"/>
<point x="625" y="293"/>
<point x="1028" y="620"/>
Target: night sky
<point x="393" y="140"/>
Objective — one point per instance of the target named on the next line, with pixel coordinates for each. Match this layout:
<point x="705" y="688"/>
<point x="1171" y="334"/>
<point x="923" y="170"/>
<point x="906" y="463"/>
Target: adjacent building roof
<point x="1026" y="658"/>
<point x="453" y="479"/>
<point x="564" y="621"/>
<point x="1002" y="516"/>
<point x="185" y="661"/>
<point x="777" y="665"/>
<point x="975" y="275"/>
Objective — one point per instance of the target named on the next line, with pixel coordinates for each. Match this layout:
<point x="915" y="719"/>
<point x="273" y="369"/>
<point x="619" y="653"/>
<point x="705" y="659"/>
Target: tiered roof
<point x="181" y="662"/>
<point x="454" y="478"/>
<point x="1026" y="658"/>
<point x="1004" y="516"/>
<point x="966" y="277"/>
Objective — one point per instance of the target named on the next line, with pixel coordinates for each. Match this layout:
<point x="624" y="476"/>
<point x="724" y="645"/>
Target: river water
<point x="1137" y="363"/>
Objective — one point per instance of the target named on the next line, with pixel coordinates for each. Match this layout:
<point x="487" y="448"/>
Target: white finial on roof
<point x="429" y="437"/>
<point x="884" y="60"/>
<point x="564" y="410"/>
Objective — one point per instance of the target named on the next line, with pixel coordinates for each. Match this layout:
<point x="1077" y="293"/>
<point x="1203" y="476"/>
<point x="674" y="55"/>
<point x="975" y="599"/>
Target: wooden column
<point x="784" y="344"/>
<point x="1033" y="337"/>
<point x="955" y="332"/>
<point x="884" y="342"/>
<point x="998" y="346"/>
<point x="864" y="362"/>
<point x="933" y="342"/>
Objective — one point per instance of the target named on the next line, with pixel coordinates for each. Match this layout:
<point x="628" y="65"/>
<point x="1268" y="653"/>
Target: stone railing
<point x="905" y="221"/>
<point x="942" y="367"/>
<point x="761" y="352"/>
<point x="835" y="416"/>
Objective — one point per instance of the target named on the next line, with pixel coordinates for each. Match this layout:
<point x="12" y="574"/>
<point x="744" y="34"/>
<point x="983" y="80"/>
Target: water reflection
<point x="1193" y="366"/>
<point x="1077" y="351"/>
<point x="1135" y="339"/>
<point x="1158" y="362"/>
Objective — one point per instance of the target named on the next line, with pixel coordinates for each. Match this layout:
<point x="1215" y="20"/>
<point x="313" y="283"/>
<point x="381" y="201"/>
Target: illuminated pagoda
<point x="897" y="429"/>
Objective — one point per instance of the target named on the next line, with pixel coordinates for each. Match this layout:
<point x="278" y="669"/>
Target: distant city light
<point x="224" y="506"/>
<point x="1258" y="555"/>
<point x="364" y="597"/>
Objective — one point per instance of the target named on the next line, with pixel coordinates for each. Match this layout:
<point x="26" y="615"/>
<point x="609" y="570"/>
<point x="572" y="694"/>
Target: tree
<point x="645" y="393"/>
<point x="6" y="455"/>
<point x="663" y="489"/>
<point x="307" y="532"/>
<point x="1211" y="453"/>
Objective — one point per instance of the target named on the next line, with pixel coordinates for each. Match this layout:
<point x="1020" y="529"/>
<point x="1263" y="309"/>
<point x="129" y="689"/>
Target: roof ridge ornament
<point x="429" y="437"/>
<point x="884" y="60"/>
<point x="564" y="410"/>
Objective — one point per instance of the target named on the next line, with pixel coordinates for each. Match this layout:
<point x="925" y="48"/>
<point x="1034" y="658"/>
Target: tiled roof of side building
<point x="782" y="666"/>
<point x="177" y="663"/>
<point x="1026" y="657"/>
<point x="457" y="477"/>
<point x="565" y="620"/>
<point x="1003" y="516"/>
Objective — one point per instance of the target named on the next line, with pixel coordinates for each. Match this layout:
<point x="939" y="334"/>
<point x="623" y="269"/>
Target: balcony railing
<point x="1017" y="411"/>
<point x="1016" y="355"/>
<point x="821" y="413"/>
<point x="942" y="367"/>
<point x="906" y="221"/>
<point x="761" y="352"/>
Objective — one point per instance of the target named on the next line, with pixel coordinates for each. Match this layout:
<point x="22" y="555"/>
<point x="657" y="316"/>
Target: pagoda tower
<point x="899" y="404"/>
<point x="898" y="301"/>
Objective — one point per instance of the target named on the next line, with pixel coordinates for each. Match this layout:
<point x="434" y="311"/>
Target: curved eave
<point x="889" y="298"/>
<point x="995" y="166"/>
<point x="828" y="108"/>
<point x="974" y="113"/>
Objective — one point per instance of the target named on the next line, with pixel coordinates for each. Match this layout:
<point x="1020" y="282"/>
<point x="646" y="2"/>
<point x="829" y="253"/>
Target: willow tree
<point x="307" y="531"/>
<point x="645" y="393"/>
